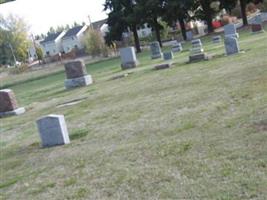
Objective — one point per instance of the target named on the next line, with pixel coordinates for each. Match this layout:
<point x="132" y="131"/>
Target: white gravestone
<point x="53" y="130"/>
<point x="230" y="31"/>
<point x="231" y="45"/>
<point x="128" y="58"/>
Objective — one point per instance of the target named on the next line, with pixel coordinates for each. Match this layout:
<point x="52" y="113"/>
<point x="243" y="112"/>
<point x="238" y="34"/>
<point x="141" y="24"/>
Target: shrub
<point x="94" y="44"/>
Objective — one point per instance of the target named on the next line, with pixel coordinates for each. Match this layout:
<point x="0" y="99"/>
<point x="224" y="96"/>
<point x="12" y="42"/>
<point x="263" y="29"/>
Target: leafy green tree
<point x="14" y="41"/>
<point x="123" y="16"/>
<point x="39" y="53"/>
<point x="94" y="43"/>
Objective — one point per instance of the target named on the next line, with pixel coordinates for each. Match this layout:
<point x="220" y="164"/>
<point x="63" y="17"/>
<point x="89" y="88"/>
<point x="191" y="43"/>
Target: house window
<point x="47" y="53"/>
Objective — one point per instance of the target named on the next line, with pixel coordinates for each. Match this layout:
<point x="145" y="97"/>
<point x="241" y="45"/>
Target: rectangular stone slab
<point x="75" y="69"/>
<point x="7" y="101"/>
<point x="53" y="130"/>
<point x="128" y="58"/>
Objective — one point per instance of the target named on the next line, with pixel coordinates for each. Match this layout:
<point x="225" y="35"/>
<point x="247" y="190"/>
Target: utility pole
<point x="90" y="22"/>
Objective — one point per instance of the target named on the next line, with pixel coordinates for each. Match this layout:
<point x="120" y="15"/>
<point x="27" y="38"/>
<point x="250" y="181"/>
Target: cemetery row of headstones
<point x="52" y="128"/>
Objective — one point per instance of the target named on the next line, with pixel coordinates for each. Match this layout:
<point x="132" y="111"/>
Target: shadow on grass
<point x="78" y="134"/>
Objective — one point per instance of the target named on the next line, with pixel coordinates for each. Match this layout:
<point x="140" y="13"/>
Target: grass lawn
<point x="195" y="131"/>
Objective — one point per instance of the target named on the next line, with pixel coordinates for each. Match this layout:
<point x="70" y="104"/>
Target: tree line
<point x="125" y="15"/>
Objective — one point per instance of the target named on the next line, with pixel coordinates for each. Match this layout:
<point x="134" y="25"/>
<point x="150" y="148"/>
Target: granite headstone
<point x="76" y="75"/>
<point x="128" y="58"/>
<point x="53" y="130"/>
<point x="8" y="104"/>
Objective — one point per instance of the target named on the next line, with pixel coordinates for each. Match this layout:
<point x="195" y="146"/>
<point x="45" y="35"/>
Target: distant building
<point x="73" y="38"/>
<point x="52" y="44"/>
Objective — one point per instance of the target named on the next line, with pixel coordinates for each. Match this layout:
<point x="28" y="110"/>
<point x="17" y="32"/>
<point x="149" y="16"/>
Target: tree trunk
<point x="243" y="5"/>
<point x="136" y="39"/>
<point x="157" y="31"/>
<point x="183" y="29"/>
<point x="208" y="14"/>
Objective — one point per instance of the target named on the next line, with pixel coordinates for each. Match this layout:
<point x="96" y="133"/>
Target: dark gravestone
<point x="7" y="101"/>
<point x="75" y="69"/>
<point x="76" y="75"/>
<point x="8" y="104"/>
<point x="162" y="66"/>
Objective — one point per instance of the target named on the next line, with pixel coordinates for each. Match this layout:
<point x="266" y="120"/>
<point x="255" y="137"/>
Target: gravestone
<point x="256" y="25"/>
<point x="189" y="35"/>
<point x="230" y="31"/>
<point x="231" y="45"/>
<point x="53" y="130"/>
<point x="217" y="39"/>
<point x="168" y="55"/>
<point x="155" y="50"/>
<point x="128" y="58"/>
<point x="76" y="75"/>
<point x="176" y="47"/>
<point x="197" y="52"/>
<point x="8" y="104"/>
<point x="163" y="66"/>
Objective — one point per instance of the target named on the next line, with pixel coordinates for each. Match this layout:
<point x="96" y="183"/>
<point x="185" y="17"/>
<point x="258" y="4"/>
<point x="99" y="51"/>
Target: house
<point x="73" y="38"/>
<point x="52" y="45"/>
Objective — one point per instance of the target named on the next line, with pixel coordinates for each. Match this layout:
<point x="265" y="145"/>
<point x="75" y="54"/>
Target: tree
<point x="14" y="41"/>
<point x="39" y="53"/>
<point x="94" y="43"/>
<point x="151" y="11"/>
<point x="178" y="10"/>
<point x="122" y="17"/>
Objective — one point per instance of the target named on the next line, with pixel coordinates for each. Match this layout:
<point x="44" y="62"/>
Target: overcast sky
<point x="42" y="14"/>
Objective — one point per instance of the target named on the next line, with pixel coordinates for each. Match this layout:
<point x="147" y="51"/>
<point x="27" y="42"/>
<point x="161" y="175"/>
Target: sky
<point x="40" y="15"/>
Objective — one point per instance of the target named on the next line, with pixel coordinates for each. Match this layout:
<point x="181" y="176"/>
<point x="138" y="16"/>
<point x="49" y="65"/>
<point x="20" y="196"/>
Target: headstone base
<point x="163" y="66"/>
<point x="156" y="56"/>
<point x="199" y="57"/>
<point x="78" y="82"/>
<point x="18" y="111"/>
<point x="129" y="65"/>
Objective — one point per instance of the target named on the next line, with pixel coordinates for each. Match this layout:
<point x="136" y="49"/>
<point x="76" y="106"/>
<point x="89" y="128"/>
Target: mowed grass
<point x="195" y="131"/>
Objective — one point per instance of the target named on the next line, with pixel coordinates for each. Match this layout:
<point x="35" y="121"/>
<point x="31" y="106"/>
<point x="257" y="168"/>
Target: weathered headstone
<point x="231" y="45"/>
<point x="176" y="47"/>
<point x="189" y="35"/>
<point x="197" y="51"/>
<point x="217" y="39"/>
<point x="8" y="104"/>
<point x="76" y="75"/>
<point x="256" y="25"/>
<point x="53" y="130"/>
<point x="230" y="31"/>
<point x="168" y="55"/>
<point x="155" y="50"/>
<point x="128" y="58"/>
